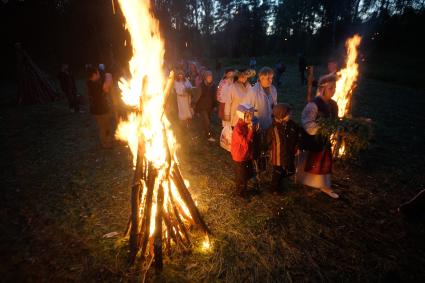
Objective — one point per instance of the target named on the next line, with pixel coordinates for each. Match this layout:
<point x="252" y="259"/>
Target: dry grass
<point x="61" y="194"/>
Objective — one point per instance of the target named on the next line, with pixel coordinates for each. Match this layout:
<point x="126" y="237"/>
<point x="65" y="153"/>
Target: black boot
<point x="277" y="179"/>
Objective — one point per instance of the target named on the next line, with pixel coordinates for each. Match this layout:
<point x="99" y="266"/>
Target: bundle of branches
<point x="34" y="86"/>
<point x="348" y="136"/>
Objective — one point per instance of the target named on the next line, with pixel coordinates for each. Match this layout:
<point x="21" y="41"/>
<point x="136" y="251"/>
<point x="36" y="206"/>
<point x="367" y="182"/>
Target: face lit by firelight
<point x="266" y="80"/>
<point x="208" y="79"/>
<point x="248" y="117"/>
<point x="230" y="75"/>
<point x="242" y="79"/>
<point x="329" y="91"/>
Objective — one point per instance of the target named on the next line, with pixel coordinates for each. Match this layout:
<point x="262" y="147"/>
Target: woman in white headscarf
<point x="237" y="94"/>
<point x="183" y="87"/>
<point x="315" y="165"/>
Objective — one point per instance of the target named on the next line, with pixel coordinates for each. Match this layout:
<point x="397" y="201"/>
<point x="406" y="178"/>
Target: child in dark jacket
<point x="283" y="138"/>
<point x="242" y="147"/>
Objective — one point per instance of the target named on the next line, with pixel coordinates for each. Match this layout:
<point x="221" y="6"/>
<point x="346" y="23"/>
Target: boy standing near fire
<point x="283" y="138"/>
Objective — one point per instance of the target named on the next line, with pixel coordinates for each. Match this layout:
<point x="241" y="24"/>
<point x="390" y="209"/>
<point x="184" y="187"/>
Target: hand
<point x="257" y="126"/>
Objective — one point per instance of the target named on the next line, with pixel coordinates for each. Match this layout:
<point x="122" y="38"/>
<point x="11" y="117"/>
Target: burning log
<point x="147" y="211"/>
<point x="134" y="234"/>
<point x="158" y="230"/>
<point x="162" y="208"/>
<point x="187" y="198"/>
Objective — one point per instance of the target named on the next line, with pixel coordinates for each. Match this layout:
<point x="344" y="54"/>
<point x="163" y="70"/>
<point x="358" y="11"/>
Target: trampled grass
<point x="62" y="193"/>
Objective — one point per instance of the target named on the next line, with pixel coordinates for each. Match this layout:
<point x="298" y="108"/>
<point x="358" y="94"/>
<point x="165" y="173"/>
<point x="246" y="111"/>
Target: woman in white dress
<point x="183" y="88"/>
<point x="237" y="94"/>
<point x="222" y="90"/>
<point x="315" y="165"/>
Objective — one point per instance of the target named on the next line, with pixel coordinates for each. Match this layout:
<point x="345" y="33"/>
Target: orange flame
<point x="347" y="77"/>
<point x="145" y="92"/>
<point x="345" y="85"/>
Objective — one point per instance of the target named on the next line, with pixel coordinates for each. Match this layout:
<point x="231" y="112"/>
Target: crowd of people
<point x="256" y="129"/>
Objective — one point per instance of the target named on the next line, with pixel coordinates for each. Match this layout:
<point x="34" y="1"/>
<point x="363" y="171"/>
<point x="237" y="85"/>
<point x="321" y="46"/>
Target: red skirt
<point x="320" y="162"/>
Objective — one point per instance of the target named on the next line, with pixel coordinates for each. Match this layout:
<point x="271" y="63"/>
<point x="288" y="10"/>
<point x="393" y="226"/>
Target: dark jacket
<point x="67" y="82"/>
<point x="207" y="99"/>
<point x="283" y="140"/>
<point x="98" y="102"/>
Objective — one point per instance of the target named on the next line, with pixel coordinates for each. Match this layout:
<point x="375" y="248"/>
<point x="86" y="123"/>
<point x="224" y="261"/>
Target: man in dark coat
<point x="99" y="107"/>
<point x="207" y="102"/>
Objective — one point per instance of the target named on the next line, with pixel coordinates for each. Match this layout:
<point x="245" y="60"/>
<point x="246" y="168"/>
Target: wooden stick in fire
<point x="136" y="191"/>
<point x="187" y="198"/>
<point x="147" y="210"/>
<point x="138" y="173"/>
<point x="157" y="245"/>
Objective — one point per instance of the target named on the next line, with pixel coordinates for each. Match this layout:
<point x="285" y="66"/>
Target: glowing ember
<point x="206" y="244"/>
<point x="160" y="198"/>
<point x="347" y="77"/>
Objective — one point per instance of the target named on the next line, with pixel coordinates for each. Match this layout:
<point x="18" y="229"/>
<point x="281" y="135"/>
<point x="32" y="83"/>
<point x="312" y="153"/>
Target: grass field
<point x="61" y="193"/>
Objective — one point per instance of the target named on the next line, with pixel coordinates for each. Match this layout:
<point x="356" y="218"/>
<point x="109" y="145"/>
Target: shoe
<point x="330" y="192"/>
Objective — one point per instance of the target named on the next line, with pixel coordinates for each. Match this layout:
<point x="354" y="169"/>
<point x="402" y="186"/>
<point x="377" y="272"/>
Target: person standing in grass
<point x="283" y="138"/>
<point x="315" y="164"/>
<point x="237" y="93"/>
<point x="99" y="107"/>
<point x="263" y="97"/>
<point x="242" y="147"/>
<point x="207" y="102"/>
<point x="67" y="83"/>
<point x="183" y="88"/>
<point x="279" y="70"/>
<point x="222" y="91"/>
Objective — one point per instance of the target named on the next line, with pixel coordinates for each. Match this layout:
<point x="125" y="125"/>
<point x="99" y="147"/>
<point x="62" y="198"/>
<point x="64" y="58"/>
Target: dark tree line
<point x="81" y="31"/>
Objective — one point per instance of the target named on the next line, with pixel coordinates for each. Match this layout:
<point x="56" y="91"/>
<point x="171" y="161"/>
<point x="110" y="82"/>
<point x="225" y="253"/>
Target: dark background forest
<point x="81" y="31"/>
<point x="62" y="193"/>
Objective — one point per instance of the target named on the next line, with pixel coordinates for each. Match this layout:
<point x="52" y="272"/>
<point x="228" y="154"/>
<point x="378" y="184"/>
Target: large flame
<point x="145" y="92"/>
<point x="345" y="85"/>
<point x="145" y="87"/>
<point x="347" y="77"/>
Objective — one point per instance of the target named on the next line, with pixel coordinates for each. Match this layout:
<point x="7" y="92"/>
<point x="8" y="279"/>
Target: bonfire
<point x="347" y="135"/>
<point x="347" y="77"/>
<point x="162" y="209"/>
